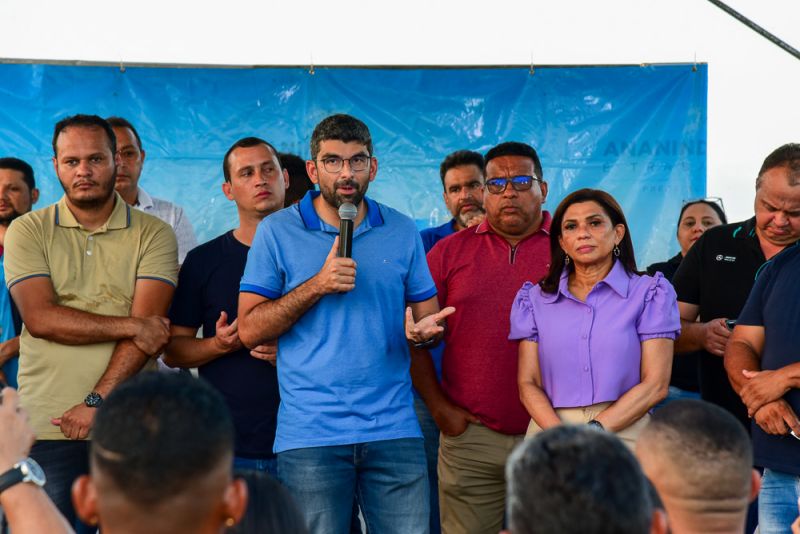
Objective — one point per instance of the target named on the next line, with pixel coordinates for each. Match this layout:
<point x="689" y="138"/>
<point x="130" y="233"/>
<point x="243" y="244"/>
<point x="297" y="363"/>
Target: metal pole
<point x="756" y="28"/>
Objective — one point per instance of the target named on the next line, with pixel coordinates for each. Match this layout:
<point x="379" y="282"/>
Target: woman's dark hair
<point x="713" y="205"/>
<point x="612" y="209"/>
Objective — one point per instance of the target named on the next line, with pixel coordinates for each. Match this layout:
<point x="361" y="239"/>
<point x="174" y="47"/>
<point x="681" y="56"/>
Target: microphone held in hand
<point x="347" y="212"/>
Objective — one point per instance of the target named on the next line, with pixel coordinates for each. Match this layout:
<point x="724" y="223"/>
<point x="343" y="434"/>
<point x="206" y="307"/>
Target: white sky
<point x="753" y="84"/>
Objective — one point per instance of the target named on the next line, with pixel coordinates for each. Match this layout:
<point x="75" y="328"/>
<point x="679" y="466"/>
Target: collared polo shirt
<point x="94" y="271"/>
<point x="717" y="275"/>
<point x="431" y="236"/>
<point x="478" y="272"/>
<point x="591" y="352"/>
<point x="343" y="367"/>
<point x="174" y="216"/>
<point x="774" y="304"/>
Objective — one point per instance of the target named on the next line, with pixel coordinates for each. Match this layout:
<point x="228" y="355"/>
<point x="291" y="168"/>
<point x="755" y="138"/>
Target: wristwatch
<point x="93" y="400"/>
<point x="26" y="470"/>
<point x="428" y="343"/>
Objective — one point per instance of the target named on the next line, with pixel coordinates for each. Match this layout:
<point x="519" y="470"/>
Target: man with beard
<point x="93" y="279"/>
<point x="17" y="194"/>
<point x="462" y="179"/>
<point x="477" y="406"/>
<point x="346" y="424"/>
<point x="129" y="169"/>
<point x="208" y="296"/>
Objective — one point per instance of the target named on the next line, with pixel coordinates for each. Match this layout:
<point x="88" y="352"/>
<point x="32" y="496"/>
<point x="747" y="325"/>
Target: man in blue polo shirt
<point x="208" y="296"/>
<point x="462" y="180"/>
<point x="763" y="363"/>
<point x="346" y="425"/>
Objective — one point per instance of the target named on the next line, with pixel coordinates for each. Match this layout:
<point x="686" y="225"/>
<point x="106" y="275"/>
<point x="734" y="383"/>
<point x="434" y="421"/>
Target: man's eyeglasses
<point x="519" y="183"/>
<point x="335" y="163"/>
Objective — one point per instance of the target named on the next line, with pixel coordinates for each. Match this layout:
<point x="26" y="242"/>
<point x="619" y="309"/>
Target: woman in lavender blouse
<point x="596" y="336"/>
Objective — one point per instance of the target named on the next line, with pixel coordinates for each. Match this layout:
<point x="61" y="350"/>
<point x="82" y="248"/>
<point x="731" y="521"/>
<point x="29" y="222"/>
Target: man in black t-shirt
<point x="715" y="278"/>
<point x="208" y="296"/>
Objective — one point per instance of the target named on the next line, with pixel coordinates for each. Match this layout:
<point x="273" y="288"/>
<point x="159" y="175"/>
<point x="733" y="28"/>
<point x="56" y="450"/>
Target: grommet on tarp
<point x="694" y="65"/>
<point x="311" y="66"/>
<point x="532" y="70"/>
<point x="121" y="66"/>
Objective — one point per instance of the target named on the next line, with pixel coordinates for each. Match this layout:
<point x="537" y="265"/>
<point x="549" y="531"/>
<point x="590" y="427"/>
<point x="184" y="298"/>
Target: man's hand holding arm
<point x="151" y="300"/>
<point x="45" y="318"/>
<point x="262" y="320"/>
<point x="185" y="349"/>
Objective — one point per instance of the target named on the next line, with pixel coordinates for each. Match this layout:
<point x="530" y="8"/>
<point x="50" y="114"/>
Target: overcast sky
<point x="753" y="85"/>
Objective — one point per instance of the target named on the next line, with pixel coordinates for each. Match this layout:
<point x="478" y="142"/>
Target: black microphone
<point x="347" y="212"/>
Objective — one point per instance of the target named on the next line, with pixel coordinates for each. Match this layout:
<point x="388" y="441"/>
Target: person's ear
<point x="84" y="499"/>
<point x="34" y="196"/>
<point x="755" y="485"/>
<point x="235" y="500"/>
<point x="311" y="171"/>
<point x="226" y="190"/>
<point x="660" y="524"/>
<point x="285" y="179"/>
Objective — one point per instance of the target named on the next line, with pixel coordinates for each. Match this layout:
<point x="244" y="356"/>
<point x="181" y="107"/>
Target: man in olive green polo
<point x="93" y="279"/>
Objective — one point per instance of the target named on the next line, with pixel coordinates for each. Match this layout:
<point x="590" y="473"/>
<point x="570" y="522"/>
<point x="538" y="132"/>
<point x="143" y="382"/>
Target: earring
<point x="566" y="259"/>
<point x="229" y="522"/>
<point x="616" y="250"/>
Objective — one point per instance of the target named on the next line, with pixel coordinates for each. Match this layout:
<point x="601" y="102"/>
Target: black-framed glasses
<point x="359" y="162"/>
<point x="519" y="183"/>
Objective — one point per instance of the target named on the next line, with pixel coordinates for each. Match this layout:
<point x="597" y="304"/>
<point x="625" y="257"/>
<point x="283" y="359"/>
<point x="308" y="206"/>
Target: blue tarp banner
<point x="638" y="132"/>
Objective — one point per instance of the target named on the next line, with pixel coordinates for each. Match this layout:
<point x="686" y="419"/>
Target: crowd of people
<point x="510" y="369"/>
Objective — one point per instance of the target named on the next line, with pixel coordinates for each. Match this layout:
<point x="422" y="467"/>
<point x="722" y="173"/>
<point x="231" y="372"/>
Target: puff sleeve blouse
<point x="591" y="352"/>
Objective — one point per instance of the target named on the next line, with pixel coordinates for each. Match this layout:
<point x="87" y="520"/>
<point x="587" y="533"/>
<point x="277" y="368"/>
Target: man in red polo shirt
<point x="477" y="406"/>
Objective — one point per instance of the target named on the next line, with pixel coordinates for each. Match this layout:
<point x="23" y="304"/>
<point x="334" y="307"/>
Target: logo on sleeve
<point x="728" y="259"/>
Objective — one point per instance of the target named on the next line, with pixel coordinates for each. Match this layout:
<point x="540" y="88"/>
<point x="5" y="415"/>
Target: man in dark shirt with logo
<point x="763" y="364"/>
<point x="208" y="296"/>
<point x="718" y="272"/>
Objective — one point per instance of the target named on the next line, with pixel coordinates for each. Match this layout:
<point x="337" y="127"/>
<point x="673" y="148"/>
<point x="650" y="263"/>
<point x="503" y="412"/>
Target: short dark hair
<point x="708" y="447"/>
<point x="85" y="121"/>
<point x="16" y="164"/>
<point x="459" y="158"/>
<point x="576" y="479"/>
<point x="119" y="122"/>
<point x="557" y="256"/>
<point x="158" y="433"/>
<point x="245" y="142"/>
<point x="787" y="155"/>
<point x="299" y="182"/>
<point x="270" y="507"/>
<point x="340" y="127"/>
<point x="710" y="203"/>
<point x="514" y="148"/>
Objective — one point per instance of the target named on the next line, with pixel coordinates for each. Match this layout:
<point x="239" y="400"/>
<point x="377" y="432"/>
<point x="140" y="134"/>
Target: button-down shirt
<point x="591" y="352"/>
<point x="174" y="216"/>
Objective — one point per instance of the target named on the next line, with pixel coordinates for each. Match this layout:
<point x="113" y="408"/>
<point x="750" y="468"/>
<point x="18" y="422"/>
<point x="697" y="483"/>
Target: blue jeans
<point x="430" y="435"/>
<point x="777" y="502"/>
<point x="388" y="478"/>
<point x="63" y="461"/>
<point x="266" y="465"/>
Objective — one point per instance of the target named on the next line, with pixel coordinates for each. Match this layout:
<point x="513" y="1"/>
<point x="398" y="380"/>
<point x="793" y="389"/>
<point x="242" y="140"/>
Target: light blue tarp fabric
<point x="638" y="132"/>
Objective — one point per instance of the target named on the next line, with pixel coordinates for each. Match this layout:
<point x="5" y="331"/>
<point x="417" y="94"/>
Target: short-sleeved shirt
<point x="343" y="367"/>
<point x="717" y="275"/>
<point x="431" y="236"/>
<point x="591" y="352"/>
<point x="479" y="272"/>
<point x="174" y="216"/>
<point x="685" y="367"/>
<point x="94" y="271"/>
<point x="208" y="284"/>
<point x="774" y="303"/>
<point x="10" y="326"/>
